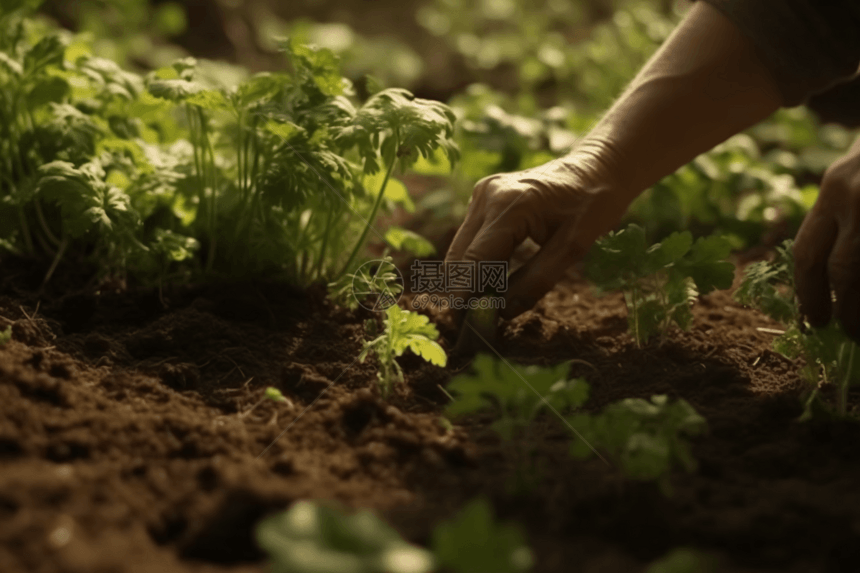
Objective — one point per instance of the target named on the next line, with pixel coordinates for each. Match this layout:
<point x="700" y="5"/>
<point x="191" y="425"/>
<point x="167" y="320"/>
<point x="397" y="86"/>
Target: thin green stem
<point x="56" y="260"/>
<point x="370" y="220"/>
<point x="324" y="245"/>
<point x="45" y="228"/>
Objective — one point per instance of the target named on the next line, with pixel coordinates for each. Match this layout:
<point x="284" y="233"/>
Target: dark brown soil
<point x="129" y="440"/>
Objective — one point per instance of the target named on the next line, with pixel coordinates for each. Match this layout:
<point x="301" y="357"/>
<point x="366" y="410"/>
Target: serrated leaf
<point x="516" y="391"/>
<point x="707" y="266"/>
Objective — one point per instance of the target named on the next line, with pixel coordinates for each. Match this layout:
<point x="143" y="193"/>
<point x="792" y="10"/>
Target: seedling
<point x="516" y="394"/>
<point x="5" y="335"/>
<point x="403" y="329"/>
<point x="316" y="538"/>
<point x="271" y="394"/>
<point x="830" y="356"/>
<point x="659" y="282"/>
<point x="644" y="438"/>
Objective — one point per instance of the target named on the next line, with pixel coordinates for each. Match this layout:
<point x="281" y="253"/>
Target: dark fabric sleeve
<point x="809" y="45"/>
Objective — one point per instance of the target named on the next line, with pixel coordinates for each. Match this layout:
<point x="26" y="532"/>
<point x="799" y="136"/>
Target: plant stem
<point x="41" y="217"/>
<point x="318" y="271"/>
<point x="370" y="220"/>
<point x="56" y="261"/>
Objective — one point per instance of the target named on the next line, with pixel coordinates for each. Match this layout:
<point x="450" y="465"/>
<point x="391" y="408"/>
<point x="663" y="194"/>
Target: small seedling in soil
<point x="271" y="394"/>
<point x="831" y="357"/>
<point x="659" y="282"/>
<point x="5" y="335"/>
<point x="317" y="538"/>
<point x="403" y="329"/>
<point x="472" y="542"/>
<point x="644" y="438"/>
<point x="517" y="394"/>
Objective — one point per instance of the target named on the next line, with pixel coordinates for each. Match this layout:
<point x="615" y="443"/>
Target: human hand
<point x="827" y="249"/>
<point x="564" y="206"/>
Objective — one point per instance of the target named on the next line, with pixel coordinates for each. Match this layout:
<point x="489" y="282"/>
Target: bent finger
<point x="812" y="247"/>
<point x="475" y="218"/>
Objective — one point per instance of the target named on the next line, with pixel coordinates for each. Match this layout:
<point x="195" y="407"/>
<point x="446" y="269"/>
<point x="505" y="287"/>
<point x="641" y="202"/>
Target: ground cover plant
<point x="828" y="354"/>
<point x="185" y="303"/>
<point x="661" y="281"/>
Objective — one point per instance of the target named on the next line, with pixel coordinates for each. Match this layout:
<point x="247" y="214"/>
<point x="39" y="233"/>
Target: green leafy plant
<point x="472" y="541"/>
<point x="322" y="537"/>
<point x="645" y="438"/>
<point x="661" y="281"/>
<point x="382" y="281"/>
<point x="317" y="538"/>
<point x="516" y="394"/>
<point x="403" y="330"/>
<point x="5" y="335"/>
<point x="830" y="356"/>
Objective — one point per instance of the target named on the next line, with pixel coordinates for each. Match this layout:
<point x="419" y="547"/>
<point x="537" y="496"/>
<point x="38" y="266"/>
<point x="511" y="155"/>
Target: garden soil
<point x="134" y="437"/>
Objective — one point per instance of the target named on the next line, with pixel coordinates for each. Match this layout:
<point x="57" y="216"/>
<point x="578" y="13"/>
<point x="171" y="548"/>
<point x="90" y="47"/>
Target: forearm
<point x="703" y="85"/>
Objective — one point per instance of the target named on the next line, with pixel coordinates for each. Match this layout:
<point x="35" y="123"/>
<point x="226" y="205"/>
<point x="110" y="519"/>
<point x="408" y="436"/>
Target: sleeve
<point x="809" y="45"/>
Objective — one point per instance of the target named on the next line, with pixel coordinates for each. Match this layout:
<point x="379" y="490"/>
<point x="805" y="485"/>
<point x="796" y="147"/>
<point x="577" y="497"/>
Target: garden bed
<point x="127" y="443"/>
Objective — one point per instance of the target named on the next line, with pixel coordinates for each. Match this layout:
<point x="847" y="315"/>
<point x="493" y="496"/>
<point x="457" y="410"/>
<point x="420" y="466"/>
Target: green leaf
<point x="707" y="266"/>
<point x="413" y="243"/>
<point x="5" y="335"/>
<point x="48" y="90"/>
<point x="46" y="52"/>
<point x="175" y="90"/>
<point x="208" y="99"/>
<point x="429" y="350"/>
<point x="312" y="538"/>
<point x="174" y="246"/>
<point x="11" y="65"/>
<point x="472" y="542"/>
<point x="516" y="391"/>
<point x="86" y="202"/>
<point x="111" y="79"/>
<point x="644" y="437"/>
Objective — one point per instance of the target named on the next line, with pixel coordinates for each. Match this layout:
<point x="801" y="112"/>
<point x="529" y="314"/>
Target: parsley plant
<point x="403" y="330"/>
<point x="830" y="356"/>
<point x="661" y="281"/>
